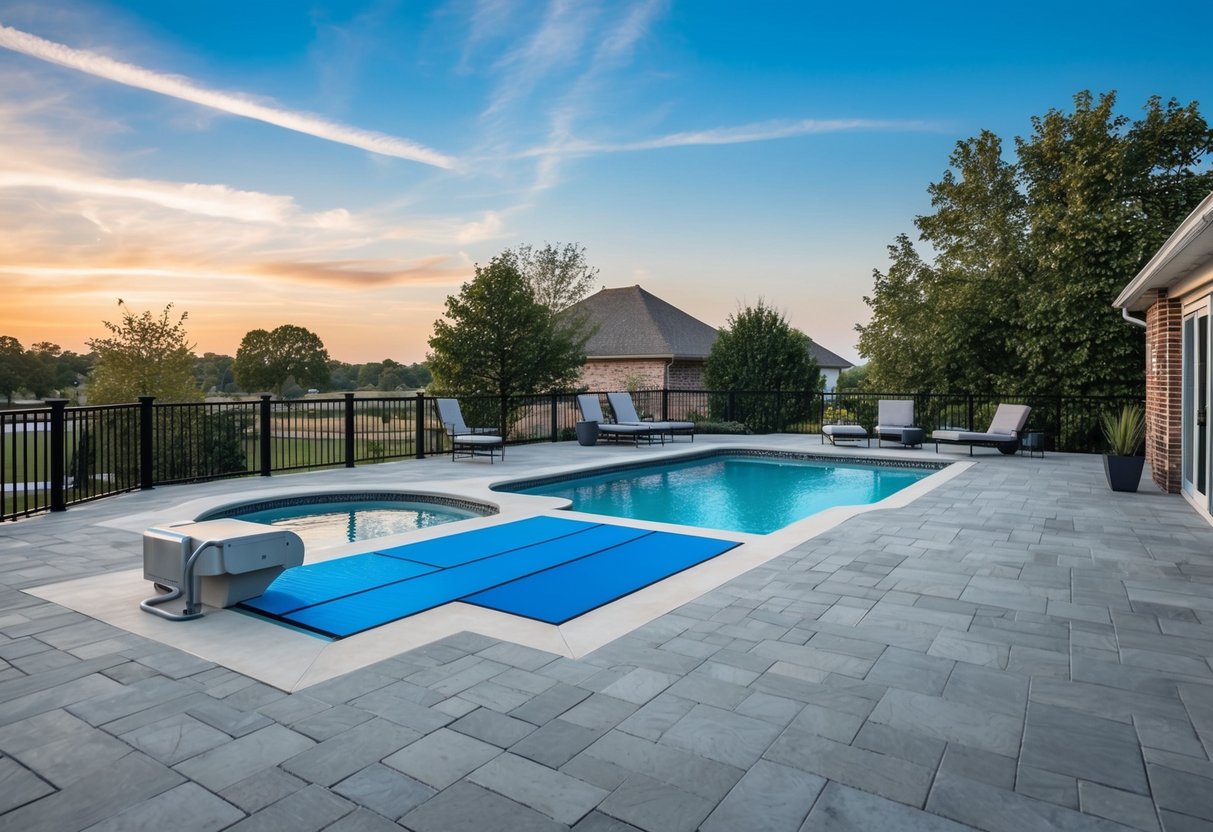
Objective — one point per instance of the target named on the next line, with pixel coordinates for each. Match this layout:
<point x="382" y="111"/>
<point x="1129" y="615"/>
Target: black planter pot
<point x="1124" y="472"/>
<point x="587" y="433"/>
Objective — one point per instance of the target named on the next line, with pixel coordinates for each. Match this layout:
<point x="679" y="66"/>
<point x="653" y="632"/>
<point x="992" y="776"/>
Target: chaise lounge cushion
<point x="1008" y="421"/>
<point x="893" y="415"/>
<point x="844" y="432"/>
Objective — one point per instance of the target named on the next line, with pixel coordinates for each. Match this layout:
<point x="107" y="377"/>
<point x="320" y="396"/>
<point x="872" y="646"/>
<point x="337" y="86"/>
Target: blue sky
<point x="343" y="165"/>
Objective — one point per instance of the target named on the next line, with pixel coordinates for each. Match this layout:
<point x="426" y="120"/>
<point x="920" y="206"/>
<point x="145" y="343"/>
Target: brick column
<point x="1164" y="391"/>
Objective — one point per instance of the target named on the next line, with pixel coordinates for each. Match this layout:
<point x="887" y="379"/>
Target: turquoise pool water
<point x="329" y="524"/>
<point x="750" y="494"/>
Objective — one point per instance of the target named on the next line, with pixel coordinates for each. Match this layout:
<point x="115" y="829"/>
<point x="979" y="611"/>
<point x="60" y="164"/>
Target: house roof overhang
<point x="662" y="356"/>
<point x="1189" y="247"/>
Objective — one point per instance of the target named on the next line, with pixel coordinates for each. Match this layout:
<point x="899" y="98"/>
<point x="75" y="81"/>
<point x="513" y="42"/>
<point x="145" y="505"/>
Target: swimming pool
<point x="330" y="520"/>
<point x="757" y="494"/>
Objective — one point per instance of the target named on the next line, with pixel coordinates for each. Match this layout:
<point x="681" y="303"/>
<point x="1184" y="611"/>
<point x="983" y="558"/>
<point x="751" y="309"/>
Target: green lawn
<point x="17" y="449"/>
<point x="21" y="501"/>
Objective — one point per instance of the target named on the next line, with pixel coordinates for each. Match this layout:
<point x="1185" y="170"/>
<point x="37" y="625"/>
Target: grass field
<point x="21" y="450"/>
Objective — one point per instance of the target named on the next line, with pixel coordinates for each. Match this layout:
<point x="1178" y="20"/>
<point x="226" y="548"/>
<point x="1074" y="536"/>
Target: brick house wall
<point x="608" y="374"/>
<point x="687" y="375"/>
<point x="1164" y="392"/>
<point x="646" y="373"/>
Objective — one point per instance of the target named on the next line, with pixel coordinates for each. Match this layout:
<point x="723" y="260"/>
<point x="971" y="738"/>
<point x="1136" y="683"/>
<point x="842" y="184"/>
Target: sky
<point x="343" y="166"/>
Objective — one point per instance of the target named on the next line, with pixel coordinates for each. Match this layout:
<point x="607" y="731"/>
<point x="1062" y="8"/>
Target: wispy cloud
<point x="762" y="132"/>
<point x="556" y="43"/>
<point x="613" y="52"/>
<point x="206" y="200"/>
<point x="175" y="86"/>
<point x="350" y="274"/>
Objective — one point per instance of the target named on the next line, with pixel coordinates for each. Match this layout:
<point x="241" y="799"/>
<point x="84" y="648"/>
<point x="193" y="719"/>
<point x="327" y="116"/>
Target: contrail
<point x="178" y="87"/>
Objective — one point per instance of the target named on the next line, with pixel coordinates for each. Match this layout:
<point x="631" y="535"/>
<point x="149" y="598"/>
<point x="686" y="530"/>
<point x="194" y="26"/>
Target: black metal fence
<point x="55" y="456"/>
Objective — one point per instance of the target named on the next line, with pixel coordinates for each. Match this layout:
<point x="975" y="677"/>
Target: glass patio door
<point x="1196" y="390"/>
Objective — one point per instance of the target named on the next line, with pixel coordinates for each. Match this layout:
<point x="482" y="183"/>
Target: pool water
<point x="330" y="524"/>
<point x="737" y="493"/>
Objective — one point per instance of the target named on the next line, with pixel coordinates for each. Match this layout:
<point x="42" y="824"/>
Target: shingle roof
<point x="826" y="359"/>
<point x="633" y="322"/>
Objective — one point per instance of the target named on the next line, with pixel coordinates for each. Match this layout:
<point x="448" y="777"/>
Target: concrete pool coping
<point x="246" y="644"/>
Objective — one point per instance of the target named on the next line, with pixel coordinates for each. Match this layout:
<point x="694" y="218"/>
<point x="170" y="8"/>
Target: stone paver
<point x="387" y="792"/>
<point x="559" y="796"/>
<point x="769" y="798"/>
<point x="466" y="807"/>
<point x="441" y="758"/>
<point x="1018" y="649"/>
<point x="843" y="809"/>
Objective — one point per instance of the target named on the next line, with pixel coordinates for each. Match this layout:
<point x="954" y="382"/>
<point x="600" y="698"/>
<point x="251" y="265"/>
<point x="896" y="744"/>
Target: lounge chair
<point x="625" y="414"/>
<point x="467" y="441"/>
<point x="893" y="416"/>
<point x="847" y="433"/>
<point x="1003" y="433"/>
<point x="591" y="411"/>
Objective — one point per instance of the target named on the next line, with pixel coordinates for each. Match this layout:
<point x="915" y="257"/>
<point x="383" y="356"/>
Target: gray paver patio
<point x="1017" y="649"/>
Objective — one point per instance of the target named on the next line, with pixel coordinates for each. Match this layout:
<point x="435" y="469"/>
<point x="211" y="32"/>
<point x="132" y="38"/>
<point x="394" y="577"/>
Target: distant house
<point x="1175" y="292"/>
<point x="654" y="345"/>
<point x="830" y="364"/>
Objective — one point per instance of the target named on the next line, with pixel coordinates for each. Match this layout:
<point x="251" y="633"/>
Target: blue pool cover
<point x="546" y="568"/>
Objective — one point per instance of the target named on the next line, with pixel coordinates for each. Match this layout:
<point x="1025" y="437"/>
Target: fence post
<point x="58" y="441"/>
<point x="555" y="427"/>
<point x="665" y="404"/>
<point x="969" y="423"/>
<point x="419" y="425"/>
<point x="1057" y="440"/>
<point x="349" y="430"/>
<point x="147" y="449"/>
<point x="266" y="457"/>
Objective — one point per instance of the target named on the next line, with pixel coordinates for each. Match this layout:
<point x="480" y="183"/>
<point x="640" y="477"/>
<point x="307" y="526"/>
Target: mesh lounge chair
<point x="625" y="414"/>
<point x="1003" y="433"/>
<point x="591" y="411"/>
<point x="467" y="441"/>
<point x="892" y="416"/>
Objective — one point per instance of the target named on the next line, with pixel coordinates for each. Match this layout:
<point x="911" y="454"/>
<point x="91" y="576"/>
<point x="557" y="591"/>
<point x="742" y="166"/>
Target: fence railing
<point x="55" y="456"/>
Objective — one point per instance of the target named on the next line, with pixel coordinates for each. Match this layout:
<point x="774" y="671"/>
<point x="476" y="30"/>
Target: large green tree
<point x="266" y="360"/>
<point x="1028" y="254"/>
<point x="760" y="354"/>
<point x="144" y="355"/>
<point x="498" y="339"/>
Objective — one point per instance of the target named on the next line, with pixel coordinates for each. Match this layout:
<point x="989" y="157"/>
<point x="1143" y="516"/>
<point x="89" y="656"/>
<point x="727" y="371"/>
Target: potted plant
<point x="1124" y="434"/>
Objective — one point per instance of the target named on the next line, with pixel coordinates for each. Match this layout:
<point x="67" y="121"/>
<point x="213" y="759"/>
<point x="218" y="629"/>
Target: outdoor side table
<point x="1034" y="443"/>
<point x="911" y="437"/>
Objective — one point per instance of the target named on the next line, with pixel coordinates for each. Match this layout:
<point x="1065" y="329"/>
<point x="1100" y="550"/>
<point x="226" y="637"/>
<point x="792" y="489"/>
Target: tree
<point x="760" y="351"/>
<point x="498" y="340"/>
<point x="558" y="274"/>
<point x="144" y="355"/>
<point x="214" y="373"/>
<point x="1029" y="253"/>
<point x="265" y="360"/>
<point x="856" y="378"/>
<point x="13" y="366"/>
<point x="342" y="376"/>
